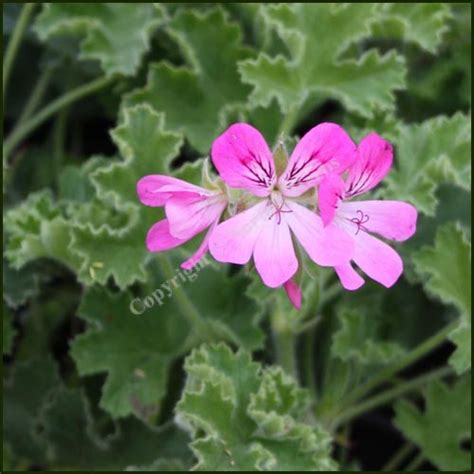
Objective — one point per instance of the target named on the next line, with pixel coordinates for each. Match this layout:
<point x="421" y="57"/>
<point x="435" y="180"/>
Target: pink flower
<point x="394" y="220"/>
<point x="265" y="230"/>
<point x="189" y="210"/>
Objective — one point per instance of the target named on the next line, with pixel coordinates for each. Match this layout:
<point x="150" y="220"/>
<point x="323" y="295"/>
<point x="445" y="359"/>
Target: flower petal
<point x="243" y="159"/>
<point x="350" y="279"/>
<point x="294" y="293"/>
<point x="233" y="240"/>
<point x="274" y="255"/>
<point x="394" y="220"/>
<point x="377" y="259"/>
<point x="202" y="249"/>
<point x="326" y="246"/>
<point x="189" y="214"/>
<point x="159" y="238"/>
<point x="155" y="190"/>
<point x="325" y="148"/>
<point x="330" y="194"/>
<point x="374" y="160"/>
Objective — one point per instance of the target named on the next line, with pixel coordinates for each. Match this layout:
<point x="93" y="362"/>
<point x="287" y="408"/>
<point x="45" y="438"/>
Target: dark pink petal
<point x="274" y="255"/>
<point x="326" y="246"/>
<point x="374" y="160"/>
<point x="330" y="194"/>
<point x="350" y="279"/>
<point x="378" y="260"/>
<point x="155" y="190"/>
<point x="293" y="291"/>
<point x="394" y="220"/>
<point x="233" y="240"/>
<point x="243" y="159"/>
<point x="324" y="149"/>
<point x="188" y="214"/>
<point x="159" y="238"/>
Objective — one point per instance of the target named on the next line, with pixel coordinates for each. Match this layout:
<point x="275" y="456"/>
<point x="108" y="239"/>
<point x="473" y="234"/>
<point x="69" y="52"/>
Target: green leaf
<point x="421" y="23"/>
<point x="135" y="350"/>
<point x="196" y="97"/>
<point x="428" y="154"/>
<point x="70" y="432"/>
<point x="116" y="34"/>
<point x="315" y="68"/>
<point x="9" y="332"/>
<point x="23" y="396"/>
<point x="446" y="272"/>
<point x="444" y="424"/>
<point x="244" y="417"/>
<point x="20" y="285"/>
<point x="358" y="340"/>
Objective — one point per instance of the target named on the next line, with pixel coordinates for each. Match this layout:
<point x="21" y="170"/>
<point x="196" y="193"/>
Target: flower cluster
<point x="261" y="205"/>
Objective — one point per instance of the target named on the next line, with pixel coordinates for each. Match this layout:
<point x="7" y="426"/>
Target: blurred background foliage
<point x="145" y="88"/>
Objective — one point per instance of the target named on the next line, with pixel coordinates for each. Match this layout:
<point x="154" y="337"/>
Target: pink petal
<point x="330" y="193"/>
<point x="325" y="148"/>
<point x="202" y="249"/>
<point x="233" y="240"/>
<point x="274" y="255"/>
<point x="373" y="162"/>
<point x="243" y="159"/>
<point x="378" y="260"/>
<point x="159" y="237"/>
<point x="294" y="293"/>
<point x="155" y="190"/>
<point x="394" y="220"/>
<point x="189" y="214"/>
<point x="350" y="279"/>
<point x="326" y="246"/>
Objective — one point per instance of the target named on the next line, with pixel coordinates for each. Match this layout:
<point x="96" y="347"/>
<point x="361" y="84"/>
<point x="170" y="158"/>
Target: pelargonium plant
<point x="303" y="197"/>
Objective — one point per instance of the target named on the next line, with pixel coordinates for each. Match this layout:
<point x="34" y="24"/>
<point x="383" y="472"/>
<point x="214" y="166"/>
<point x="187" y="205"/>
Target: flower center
<point x="278" y="201"/>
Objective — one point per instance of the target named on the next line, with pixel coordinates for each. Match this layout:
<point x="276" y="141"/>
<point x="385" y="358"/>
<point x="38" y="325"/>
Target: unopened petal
<point x="294" y="293"/>
<point x="159" y="238"/>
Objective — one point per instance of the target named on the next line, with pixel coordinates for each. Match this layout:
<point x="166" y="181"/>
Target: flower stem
<point x="285" y="344"/>
<point x="388" y="395"/>
<point x="406" y="360"/>
<point x="15" y="42"/>
<point x="397" y="459"/>
<point x="416" y="463"/>
<point x="72" y="96"/>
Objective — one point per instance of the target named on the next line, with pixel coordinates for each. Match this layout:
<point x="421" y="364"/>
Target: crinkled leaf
<point x="316" y="36"/>
<point x="135" y="350"/>
<point x="421" y="23"/>
<point x="445" y="423"/>
<point x="244" y="417"/>
<point x="428" y="154"/>
<point x="195" y="97"/>
<point x="116" y="34"/>
<point x="446" y="272"/>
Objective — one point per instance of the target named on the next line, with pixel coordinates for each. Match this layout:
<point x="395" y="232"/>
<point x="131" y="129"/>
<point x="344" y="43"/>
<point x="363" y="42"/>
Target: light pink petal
<point x="274" y="255"/>
<point x="155" y="190"/>
<point x="202" y="249"/>
<point x="159" y="238"/>
<point x="378" y="260"/>
<point x="374" y="160"/>
<point x="233" y="240"/>
<point x="294" y="293"/>
<point x="394" y="220"/>
<point x="189" y="214"/>
<point x="243" y="159"/>
<point x="326" y="246"/>
<point x="330" y="193"/>
<point x="350" y="279"/>
<point x="325" y="148"/>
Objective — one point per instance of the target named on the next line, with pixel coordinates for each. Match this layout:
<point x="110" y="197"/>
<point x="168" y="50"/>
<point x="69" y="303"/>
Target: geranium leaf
<point x="444" y="424"/>
<point x="116" y="34"/>
<point x="316" y="37"/>
<point x="244" y="417"/>
<point x="445" y="269"/>
<point x="428" y="154"/>
<point x="9" y="331"/>
<point x="195" y="97"/>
